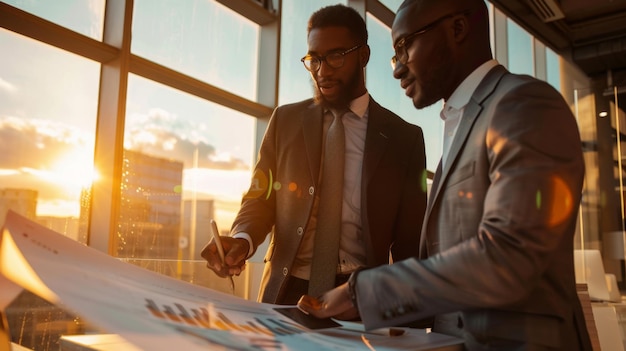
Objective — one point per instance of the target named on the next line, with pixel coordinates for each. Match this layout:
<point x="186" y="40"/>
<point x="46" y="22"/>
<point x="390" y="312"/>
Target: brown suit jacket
<point x="280" y="200"/>
<point x="497" y="241"/>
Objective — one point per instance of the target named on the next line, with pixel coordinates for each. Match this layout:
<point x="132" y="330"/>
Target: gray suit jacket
<point x="280" y="200"/>
<point x="497" y="240"/>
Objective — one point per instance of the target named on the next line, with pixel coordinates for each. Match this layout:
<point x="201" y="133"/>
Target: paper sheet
<point x="156" y="312"/>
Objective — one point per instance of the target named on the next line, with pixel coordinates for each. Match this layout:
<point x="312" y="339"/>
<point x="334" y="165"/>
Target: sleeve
<point x="256" y="215"/>
<point x="526" y="217"/>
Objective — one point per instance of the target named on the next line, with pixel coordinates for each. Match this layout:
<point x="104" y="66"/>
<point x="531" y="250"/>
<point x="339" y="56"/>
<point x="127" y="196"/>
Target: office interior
<point x="127" y="125"/>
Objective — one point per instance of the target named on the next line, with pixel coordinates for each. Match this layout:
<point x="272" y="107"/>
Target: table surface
<point x="412" y="339"/>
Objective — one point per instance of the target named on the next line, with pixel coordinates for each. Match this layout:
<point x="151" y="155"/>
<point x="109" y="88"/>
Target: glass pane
<point x="595" y="206"/>
<point x="520" y="49"/>
<point x="47" y="129"/>
<point x="202" y="39"/>
<point x="47" y="126"/>
<point x="84" y="17"/>
<point x="36" y="324"/>
<point x="491" y="28"/>
<point x="186" y="161"/>
<point x="553" y="69"/>
<point x="295" y="81"/>
<point x="386" y="90"/>
<point x="392" y="4"/>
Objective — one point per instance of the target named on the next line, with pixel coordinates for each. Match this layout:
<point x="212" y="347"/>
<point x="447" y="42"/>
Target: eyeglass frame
<point x="402" y="43"/>
<point x="323" y="58"/>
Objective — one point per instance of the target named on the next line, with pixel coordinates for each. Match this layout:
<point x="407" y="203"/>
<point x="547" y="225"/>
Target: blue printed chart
<point x="155" y="312"/>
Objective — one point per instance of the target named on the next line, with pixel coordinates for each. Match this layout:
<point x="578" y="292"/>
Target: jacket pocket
<point x="461" y="173"/>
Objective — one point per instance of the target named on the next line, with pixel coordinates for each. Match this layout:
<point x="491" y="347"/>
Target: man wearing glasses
<point x="383" y="199"/>
<point x="496" y="254"/>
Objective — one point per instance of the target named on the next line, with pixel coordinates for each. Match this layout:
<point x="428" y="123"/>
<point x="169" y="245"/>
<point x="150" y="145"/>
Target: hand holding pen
<point x="225" y="255"/>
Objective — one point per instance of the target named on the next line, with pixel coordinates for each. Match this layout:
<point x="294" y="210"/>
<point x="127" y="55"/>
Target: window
<point x="186" y="161"/>
<point x="47" y="131"/>
<point x="392" y="4"/>
<point x="202" y="39"/>
<point x="84" y="17"/>
<point x="553" y="69"/>
<point x="520" y="47"/>
<point x="47" y="122"/>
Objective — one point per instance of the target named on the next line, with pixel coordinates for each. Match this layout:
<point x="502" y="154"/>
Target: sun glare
<point x="74" y="173"/>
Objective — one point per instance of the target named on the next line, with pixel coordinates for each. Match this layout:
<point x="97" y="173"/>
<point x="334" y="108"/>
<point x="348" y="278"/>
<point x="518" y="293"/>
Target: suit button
<point x="300" y="230"/>
<point x="400" y="310"/>
<point x="388" y="314"/>
<point x="311" y="190"/>
<point x="285" y="271"/>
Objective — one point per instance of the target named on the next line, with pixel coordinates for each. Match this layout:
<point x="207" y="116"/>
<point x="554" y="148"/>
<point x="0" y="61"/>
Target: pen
<point x="220" y="250"/>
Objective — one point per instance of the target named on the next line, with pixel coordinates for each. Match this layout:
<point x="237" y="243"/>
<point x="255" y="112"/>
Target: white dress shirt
<point x="454" y="107"/>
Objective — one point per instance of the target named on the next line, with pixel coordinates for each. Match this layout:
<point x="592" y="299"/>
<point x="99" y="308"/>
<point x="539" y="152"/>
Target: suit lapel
<point x="434" y="189"/>
<point x="470" y="114"/>
<point x="472" y="109"/>
<point x="441" y="175"/>
<point x="376" y="139"/>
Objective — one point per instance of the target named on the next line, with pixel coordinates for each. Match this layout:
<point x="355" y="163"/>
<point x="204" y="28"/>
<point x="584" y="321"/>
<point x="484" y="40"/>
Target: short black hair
<point x="339" y="16"/>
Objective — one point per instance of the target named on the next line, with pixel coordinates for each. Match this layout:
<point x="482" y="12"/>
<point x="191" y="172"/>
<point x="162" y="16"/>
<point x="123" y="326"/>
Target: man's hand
<point x="335" y="303"/>
<point x="235" y="252"/>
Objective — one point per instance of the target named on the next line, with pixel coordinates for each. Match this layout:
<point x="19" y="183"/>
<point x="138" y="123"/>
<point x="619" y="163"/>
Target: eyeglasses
<point x="402" y="55"/>
<point x="334" y="60"/>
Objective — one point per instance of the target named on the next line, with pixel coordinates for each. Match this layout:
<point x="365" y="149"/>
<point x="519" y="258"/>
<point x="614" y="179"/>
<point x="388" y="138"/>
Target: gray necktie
<point x="328" y="232"/>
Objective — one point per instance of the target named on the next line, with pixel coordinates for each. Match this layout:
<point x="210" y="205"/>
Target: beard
<point x="342" y="101"/>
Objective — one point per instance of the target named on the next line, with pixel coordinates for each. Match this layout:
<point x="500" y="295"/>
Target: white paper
<point x="8" y="291"/>
<point x="156" y="312"/>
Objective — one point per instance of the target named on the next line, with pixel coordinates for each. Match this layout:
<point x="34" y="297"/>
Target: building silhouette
<point x="150" y="207"/>
<point x="22" y="201"/>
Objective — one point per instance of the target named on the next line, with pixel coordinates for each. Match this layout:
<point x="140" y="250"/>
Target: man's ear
<point x="364" y="55"/>
<point x="461" y="28"/>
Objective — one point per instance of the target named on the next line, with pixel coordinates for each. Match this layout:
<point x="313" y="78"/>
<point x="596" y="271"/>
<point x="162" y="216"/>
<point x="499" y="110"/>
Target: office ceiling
<point x="592" y="33"/>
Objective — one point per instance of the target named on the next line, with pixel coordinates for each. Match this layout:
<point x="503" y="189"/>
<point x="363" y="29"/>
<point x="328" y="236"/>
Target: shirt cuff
<point x="246" y="236"/>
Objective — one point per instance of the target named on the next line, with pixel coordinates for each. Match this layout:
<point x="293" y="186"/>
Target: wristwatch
<point x="352" y="287"/>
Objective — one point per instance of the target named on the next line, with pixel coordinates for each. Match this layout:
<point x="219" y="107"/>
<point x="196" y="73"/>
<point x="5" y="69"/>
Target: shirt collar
<point x="359" y="105"/>
<point x="462" y="94"/>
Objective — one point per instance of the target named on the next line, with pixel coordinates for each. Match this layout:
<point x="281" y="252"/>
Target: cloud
<point x="38" y="144"/>
<point x="6" y="86"/>
<point x="37" y="153"/>
<point x="32" y="148"/>
<point x="162" y="134"/>
<point x="6" y="172"/>
<point x="96" y="12"/>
